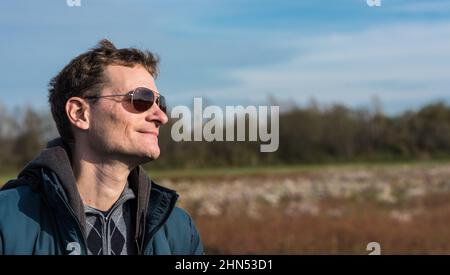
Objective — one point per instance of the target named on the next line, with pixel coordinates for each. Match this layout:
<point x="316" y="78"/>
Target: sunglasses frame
<point x="156" y="99"/>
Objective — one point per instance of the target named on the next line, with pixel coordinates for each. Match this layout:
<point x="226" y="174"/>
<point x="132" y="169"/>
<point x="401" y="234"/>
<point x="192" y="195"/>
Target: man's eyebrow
<point x="118" y="91"/>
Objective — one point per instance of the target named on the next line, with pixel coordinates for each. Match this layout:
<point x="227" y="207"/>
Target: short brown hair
<point x="84" y="76"/>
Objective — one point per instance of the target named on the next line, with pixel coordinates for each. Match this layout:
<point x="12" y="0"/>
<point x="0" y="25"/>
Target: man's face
<point x="116" y="129"/>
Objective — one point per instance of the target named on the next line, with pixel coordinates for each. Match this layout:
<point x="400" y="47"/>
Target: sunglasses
<point x="141" y="99"/>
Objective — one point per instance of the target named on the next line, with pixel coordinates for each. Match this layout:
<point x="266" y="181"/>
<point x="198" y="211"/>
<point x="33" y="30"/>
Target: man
<point x="86" y="193"/>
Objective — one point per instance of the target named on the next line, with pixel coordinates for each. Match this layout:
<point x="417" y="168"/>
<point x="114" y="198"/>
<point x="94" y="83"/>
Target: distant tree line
<point x="23" y="133"/>
<point x="311" y="134"/>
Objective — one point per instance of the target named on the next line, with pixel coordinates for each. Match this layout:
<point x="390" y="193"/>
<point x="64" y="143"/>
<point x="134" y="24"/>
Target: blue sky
<point x="241" y="51"/>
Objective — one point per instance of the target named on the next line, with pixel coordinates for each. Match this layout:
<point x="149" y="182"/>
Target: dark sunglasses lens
<point x="143" y="99"/>
<point x="162" y="104"/>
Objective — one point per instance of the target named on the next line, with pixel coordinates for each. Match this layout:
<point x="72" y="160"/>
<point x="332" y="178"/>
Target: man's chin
<point x="139" y="158"/>
<point x="151" y="156"/>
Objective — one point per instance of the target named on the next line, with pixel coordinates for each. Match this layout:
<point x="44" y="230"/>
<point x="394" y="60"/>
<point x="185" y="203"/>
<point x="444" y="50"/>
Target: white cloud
<point x="394" y="62"/>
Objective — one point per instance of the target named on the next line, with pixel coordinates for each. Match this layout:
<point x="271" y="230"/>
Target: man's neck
<point x="100" y="184"/>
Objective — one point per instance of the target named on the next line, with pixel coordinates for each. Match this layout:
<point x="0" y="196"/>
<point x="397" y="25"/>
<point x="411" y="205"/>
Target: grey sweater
<point x="111" y="232"/>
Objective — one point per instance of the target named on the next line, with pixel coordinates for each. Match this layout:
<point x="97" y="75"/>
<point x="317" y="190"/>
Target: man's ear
<point x="77" y="110"/>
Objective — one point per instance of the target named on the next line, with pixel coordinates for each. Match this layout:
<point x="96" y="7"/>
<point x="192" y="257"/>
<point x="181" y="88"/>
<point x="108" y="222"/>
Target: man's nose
<point x="155" y="113"/>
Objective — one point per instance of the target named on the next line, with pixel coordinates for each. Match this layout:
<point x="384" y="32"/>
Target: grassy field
<point x="322" y="209"/>
<point x="198" y="173"/>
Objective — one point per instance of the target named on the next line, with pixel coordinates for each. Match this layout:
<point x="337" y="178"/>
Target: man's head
<point x="108" y="126"/>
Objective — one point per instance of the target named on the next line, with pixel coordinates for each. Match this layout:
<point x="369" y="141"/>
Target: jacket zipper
<point x="106" y="221"/>
<point x="140" y="231"/>
<point x="137" y="247"/>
